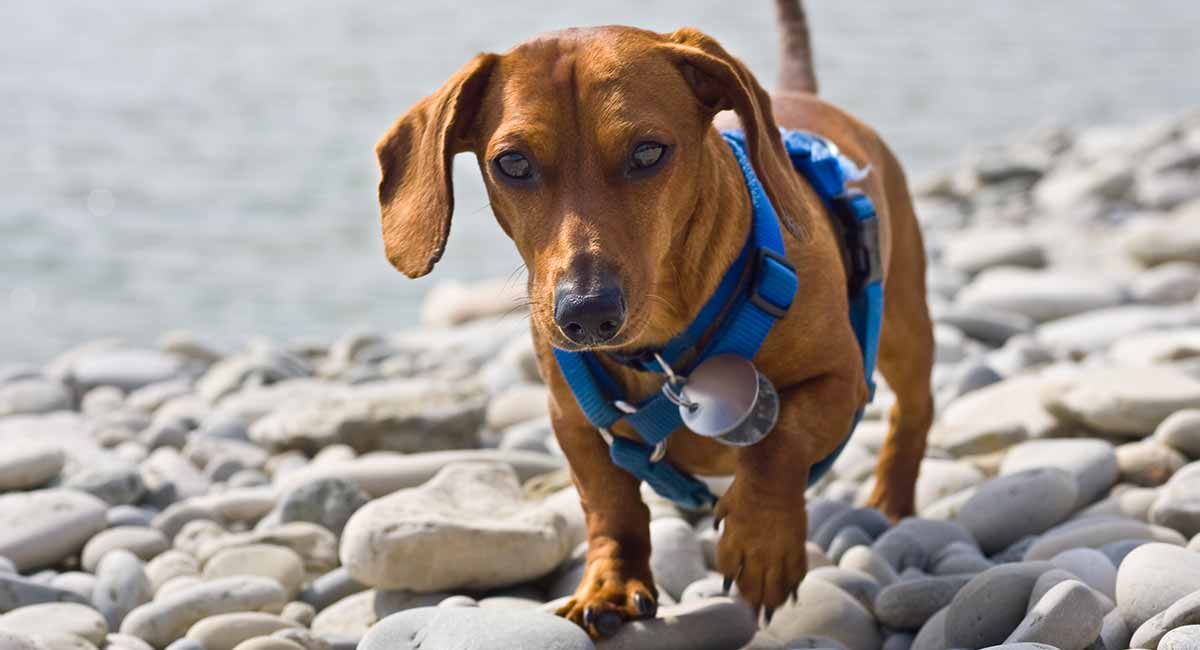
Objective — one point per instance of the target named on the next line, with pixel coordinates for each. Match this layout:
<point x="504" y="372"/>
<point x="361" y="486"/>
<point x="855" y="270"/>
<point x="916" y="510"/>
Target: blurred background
<point x="209" y="165"/>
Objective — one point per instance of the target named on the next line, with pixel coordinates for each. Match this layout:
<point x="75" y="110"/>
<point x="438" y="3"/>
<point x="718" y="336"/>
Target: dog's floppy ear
<point x="722" y="82"/>
<point x="416" y="193"/>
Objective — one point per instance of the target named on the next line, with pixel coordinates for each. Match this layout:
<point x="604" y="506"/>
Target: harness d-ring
<point x="660" y="450"/>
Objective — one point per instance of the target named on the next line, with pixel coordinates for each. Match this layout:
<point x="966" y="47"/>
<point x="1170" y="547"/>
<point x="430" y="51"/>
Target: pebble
<point x="856" y="583"/>
<point x="121" y="586"/>
<point x="1068" y="617"/>
<point x="279" y="563"/>
<point x="125" y="369"/>
<point x="909" y="604"/>
<point x="1095" y="532"/>
<point x="1148" y="463"/>
<point x="17" y="591"/>
<point x="144" y="542"/>
<point x="867" y="561"/>
<point x="347" y="618"/>
<point x="1092" y="462"/>
<point x="468" y="527"/>
<point x="1040" y="295"/>
<point x="480" y="629"/>
<point x="821" y="609"/>
<point x="991" y="604"/>
<point x="116" y="483"/>
<point x="1185" y="611"/>
<point x="29" y="466"/>
<point x="316" y="546"/>
<point x="1181" y="638"/>
<point x="330" y="587"/>
<point x="56" y="618"/>
<point x="299" y="613"/>
<point x="1181" y="431"/>
<point x="1009" y="507"/>
<point x="268" y="643"/>
<point x="932" y="635"/>
<point x="1091" y="566"/>
<point x="326" y="502"/>
<point x="1125" y="401"/>
<point x="994" y="418"/>
<point x="1178" y="503"/>
<point x="41" y="528"/>
<point x="226" y="631"/>
<point x="165" y="619"/>
<point x="170" y="564"/>
<point x="676" y="558"/>
<point x="707" y="624"/>
<point x="33" y="396"/>
<point x="80" y="583"/>
<point x="1152" y="578"/>
<point x="941" y="478"/>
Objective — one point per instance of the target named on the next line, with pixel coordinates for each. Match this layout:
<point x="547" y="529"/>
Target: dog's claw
<point x="717" y="524"/>
<point x="589" y="616"/>
<point x="646" y="607"/>
<point x="768" y="613"/>
<point x="726" y="583"/>
<point x="608" y="623"/>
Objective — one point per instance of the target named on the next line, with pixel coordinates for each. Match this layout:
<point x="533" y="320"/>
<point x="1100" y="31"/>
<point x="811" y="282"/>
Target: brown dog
<point x="603" y="165"/>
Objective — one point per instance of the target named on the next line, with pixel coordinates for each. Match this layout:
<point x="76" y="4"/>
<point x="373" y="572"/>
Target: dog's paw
<point x="605" y="598"/>
<point x="762" y="548"/>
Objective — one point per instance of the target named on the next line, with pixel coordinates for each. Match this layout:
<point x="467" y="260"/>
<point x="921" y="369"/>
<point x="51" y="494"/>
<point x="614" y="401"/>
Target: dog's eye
<point x="514" y="165"/>
<point x="647" y="155"/>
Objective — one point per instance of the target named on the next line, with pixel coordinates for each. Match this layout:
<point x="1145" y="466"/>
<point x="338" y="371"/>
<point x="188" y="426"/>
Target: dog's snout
<point x="589" y="317"/>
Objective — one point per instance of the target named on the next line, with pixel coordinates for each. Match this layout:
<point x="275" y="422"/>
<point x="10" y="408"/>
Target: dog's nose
<point x="589" y="318"/>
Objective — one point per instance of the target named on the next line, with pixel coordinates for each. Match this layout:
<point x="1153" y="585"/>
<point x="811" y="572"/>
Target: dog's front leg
<point x="617" y="584"/>
<point x="762" y="546"/>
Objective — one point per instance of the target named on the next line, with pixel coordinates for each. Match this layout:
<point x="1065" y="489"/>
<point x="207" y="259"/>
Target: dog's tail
<point x="796" y="73"/>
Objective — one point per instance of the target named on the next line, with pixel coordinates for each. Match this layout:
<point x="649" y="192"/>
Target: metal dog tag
<point x="726" y="398"/>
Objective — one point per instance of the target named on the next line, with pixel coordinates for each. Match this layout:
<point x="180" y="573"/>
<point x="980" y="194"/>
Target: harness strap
<point x="745" y="316"/>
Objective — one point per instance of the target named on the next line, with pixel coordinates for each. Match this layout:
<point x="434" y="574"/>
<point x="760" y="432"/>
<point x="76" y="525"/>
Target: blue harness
<point x="756" y="290"/>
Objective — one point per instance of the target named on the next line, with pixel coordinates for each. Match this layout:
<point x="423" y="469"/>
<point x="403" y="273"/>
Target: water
<point x="209" y="165"/>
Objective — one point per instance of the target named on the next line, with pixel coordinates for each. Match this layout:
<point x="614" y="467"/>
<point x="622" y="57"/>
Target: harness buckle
<point x="763" y="257"/>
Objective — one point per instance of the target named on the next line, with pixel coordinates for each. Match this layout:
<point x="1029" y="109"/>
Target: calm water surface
<point x="209" y="165"/>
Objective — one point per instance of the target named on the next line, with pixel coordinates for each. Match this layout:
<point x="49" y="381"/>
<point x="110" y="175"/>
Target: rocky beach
<point x="396" y="490"/>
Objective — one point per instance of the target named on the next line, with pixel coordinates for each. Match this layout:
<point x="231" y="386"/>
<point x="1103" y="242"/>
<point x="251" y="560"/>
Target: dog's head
<point x="592" y="146"/>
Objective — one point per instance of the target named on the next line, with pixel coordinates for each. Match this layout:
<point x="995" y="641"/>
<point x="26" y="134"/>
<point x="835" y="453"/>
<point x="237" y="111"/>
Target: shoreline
<point x="329" y="485"/>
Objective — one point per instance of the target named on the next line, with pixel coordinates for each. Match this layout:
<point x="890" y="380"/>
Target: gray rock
<point x="909" y="604"/>
<point x="713" y="623"/>
<point x="932" y="635"/>
<point x="170" y="564"/>
<point x="1040" y="295"/>
<point x="1067" y="617"/>
<point x="17" y="591"/>
<point x="450" y="627"/>
<point x="165" y="619"/>
<point x="991" y="605"/>
<point x="1095" y="532"/>
<point x="847" y="539"/>
<point x="121" y="586"/>
<point x="914" y="541"/>
<point x="226" y="631"/>
<point x="316" y="546"/>
<point x="1113" y="632"/>
<point x="1169" y="284"/>
<point x="34" y="396"/>
<point x="972" y="251"/>
<point x="856" y="583"/>
<point x="408" y="416"/>
<point x="143" y="542"/>
<point x="383" y="473"/>
<point x="1152" y="578"/>
<point x="281" y="564"/>
<point x="1148" y="463"/>
<point x="54" y="619"/>
<point x="1157" y="241"/>
<point x="39" y="529"/>
<point x="29" y="466"/>
<point x="327" y="502"/>
<point x="1185" y="611"/>
<point x="1181" y="638"/>
<point x="868" y="520"/>
<point x="531" y="435"/>
<point x="1116" y="551"/>
<point x="941" y="478"/>
<point x="1181" y="431"/>
<point x="1178" y="503"/>
<point x="1009" y="507"/>
<point x="115" y="483"/>
<point x="1092" y="462"/>
<point x="298" y="612"/>
<point x="1091" y="566"/>
<point x="867" y="561"/>
<point x="126" y="369"/>
<point x="469" y="527"/>
<point x="331" y="587"/>
<point x="1124" y="401"/>
<point x="78" y="582"/>
<point x="676" y="558"/>
<point x="166" y="466"/>
<point x="125" y="642"/>
<point x="994" y="418"/>
<point x="1096" y="331"/>
<point x="821" y="609"/>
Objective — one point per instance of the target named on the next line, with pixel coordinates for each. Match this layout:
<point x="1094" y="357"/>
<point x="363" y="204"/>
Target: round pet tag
<point x="726" y="398"/>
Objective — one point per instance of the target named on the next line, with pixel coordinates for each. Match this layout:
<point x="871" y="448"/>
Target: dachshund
<point x="601" y="155"/>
